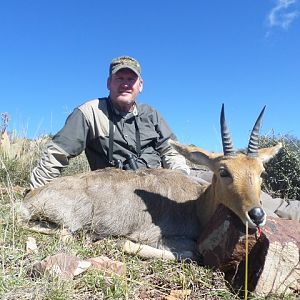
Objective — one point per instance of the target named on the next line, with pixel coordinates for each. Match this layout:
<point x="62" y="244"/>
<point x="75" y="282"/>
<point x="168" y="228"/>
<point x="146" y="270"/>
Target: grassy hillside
<point x="144" y="279"/>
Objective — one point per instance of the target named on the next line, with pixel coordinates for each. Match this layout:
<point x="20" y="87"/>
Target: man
<point x="113" y="131"/>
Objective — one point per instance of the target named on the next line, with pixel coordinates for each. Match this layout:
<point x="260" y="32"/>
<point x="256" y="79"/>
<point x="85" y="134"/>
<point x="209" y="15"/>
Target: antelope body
<point x="160" y="212"/>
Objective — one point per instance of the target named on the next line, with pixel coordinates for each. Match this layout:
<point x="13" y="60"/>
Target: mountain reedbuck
<point x="160" y="212"/>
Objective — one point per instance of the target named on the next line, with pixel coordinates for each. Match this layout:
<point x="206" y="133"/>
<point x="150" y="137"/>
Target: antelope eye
<point x="224" y="173"/>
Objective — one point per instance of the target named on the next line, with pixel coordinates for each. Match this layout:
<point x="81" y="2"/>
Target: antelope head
<point x="237" y="175"/>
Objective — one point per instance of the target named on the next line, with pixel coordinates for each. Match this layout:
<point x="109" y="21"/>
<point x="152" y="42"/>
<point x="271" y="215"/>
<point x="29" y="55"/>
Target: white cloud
<point x="283" y="14"/>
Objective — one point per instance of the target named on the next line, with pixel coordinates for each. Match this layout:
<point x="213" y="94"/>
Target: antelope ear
<point x="265" y="154"/>
<point x="195" y="154"/>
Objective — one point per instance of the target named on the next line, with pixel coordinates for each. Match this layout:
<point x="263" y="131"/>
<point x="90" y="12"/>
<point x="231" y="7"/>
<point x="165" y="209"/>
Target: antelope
<point x="159" y="212"/>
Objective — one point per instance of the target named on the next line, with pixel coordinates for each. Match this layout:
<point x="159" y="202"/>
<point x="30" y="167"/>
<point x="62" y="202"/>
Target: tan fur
<point x="241" y="191"/>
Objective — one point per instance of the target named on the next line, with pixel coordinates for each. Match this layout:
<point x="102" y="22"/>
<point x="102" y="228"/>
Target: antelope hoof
<point x="257" y="216"/>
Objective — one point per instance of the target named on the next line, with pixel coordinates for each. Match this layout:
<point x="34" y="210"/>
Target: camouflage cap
<point x="125" y="62"/>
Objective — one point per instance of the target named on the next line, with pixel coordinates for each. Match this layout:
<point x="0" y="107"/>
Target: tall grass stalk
<point x="246" y="263"/>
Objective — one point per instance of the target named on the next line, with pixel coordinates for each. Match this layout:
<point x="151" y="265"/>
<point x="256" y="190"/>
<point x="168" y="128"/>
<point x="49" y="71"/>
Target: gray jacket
<point x="87" y="129"/>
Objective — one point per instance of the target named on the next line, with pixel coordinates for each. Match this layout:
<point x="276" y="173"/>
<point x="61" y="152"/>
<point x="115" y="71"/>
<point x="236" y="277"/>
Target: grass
<point x="144" y="279"/>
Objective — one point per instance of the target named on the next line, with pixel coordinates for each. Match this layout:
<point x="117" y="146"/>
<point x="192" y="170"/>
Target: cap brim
<point x="116" y="69"/>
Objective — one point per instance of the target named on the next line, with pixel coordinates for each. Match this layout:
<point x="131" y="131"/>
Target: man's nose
<point x="125" y="83"/>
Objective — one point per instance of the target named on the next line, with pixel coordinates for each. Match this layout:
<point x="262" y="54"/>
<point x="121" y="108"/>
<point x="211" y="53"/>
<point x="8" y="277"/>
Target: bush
<point x="16" y="170"/>
<point x="283" y="170"/>
<point x="17" y="163"/>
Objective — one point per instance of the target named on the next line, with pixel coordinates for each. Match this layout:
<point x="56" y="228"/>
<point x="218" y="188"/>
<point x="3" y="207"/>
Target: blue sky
<point x="195" y="55"/>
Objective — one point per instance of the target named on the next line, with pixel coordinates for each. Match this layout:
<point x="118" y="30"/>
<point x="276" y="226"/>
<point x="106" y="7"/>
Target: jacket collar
<point x="134" y="112"/>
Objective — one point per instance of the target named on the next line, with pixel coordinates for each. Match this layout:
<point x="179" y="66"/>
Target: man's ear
<point x="108" y="83"/>
<point x="141" y="85"/>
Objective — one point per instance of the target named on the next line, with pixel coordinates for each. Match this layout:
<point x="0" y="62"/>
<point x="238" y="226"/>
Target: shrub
<point x="17" y="164"/>
<point x="283" y="170"/>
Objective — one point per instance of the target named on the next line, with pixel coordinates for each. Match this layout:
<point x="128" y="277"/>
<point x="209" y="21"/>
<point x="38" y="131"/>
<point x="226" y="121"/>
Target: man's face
<point x="124" y="87"/>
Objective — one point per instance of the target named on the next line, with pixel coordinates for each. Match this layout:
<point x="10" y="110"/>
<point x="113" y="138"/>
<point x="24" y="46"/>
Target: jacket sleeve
<point x="69" y="142"/>
<point x="171" y="159"/>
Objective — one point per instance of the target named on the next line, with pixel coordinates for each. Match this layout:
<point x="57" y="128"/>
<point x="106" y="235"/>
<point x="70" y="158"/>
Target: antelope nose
<point x="257" y="215"/>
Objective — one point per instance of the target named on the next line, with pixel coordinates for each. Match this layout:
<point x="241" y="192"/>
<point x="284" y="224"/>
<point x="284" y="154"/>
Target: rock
<point x="31" y="246"/>
<point x="61" y="265"/>
<point x="108" y="265"/>
<point x="273" y="259"/>
<point x="66" y="266"/>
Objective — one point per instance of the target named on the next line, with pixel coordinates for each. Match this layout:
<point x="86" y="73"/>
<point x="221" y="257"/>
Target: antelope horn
<point x="253" y="141"/>
<point x="226" y="140"/>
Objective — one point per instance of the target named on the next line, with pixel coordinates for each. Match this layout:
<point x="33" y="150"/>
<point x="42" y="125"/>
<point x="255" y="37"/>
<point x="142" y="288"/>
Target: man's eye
<point x="224" y="173"/>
